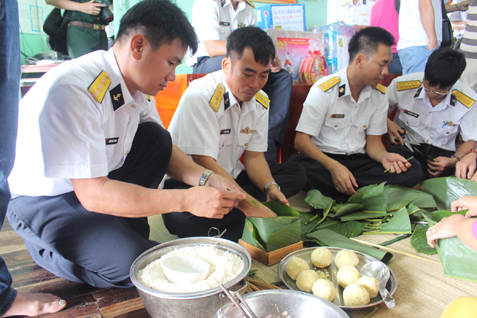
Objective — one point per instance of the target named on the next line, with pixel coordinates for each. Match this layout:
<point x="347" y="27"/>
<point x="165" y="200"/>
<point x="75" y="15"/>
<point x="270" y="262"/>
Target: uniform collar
<point x="240" y="5"/>
<point x="344" y="90"/>
<point x="246" y="106"/>
<point x="112" y="68"/>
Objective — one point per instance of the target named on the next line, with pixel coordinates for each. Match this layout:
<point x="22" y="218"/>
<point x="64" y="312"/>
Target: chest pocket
<point x="225" y="140"/>
<point x="225" y="28"/>
<point x="409" y="120"/>
<point x="336" y="123"/>
<point x="449" y="131"/>
<point x="244" y="139"/>
<point x="362" y="122"/>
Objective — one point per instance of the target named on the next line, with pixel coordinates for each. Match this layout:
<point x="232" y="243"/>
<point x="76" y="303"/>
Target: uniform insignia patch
<point x="337" y="115"/>
<point x="381" y="88"/>
<point x="216" y="99"/>
<point x="112" y="141"/>
<point x="148" y="98"/>
<point x="342" y="90"/>
<point x="413" y="114"/>
<point x="402" y="86"/>
<point x="247" y="131"/>
<point x="418" y="92"/>
<point x="464" y="99"/>
<point x="241" y="25"/>
<point x="100" y="86"/>
<point x="225" y="131"/>
<point x="329" y="83"/>
<point x="259" y="97"/>
<point x="117" y="97"/>
<point x="364" y="2"/>
<point x="250" y="3"/>
<point x="222" y="3"/>
<point x="226" y="101"/>
<point x="224" y="23"/>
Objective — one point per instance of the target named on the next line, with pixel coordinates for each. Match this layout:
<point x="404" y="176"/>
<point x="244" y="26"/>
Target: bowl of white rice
<point x="229" y="265"/>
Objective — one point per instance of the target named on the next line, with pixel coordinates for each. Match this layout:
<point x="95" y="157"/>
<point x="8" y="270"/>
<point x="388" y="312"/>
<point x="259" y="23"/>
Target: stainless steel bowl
<point x="183" y="305"/>
<point x="284" y="303"/>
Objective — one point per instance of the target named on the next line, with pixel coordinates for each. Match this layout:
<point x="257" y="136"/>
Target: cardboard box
<point x="270" y="258"/>
<point x="282" y="16"/>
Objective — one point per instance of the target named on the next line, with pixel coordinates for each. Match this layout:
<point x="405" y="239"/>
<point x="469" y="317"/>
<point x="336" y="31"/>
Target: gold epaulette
<point x="329" y="83"/>
<point x="265" y="102"/>
<point x="345" y="3"/>
<point x="464" y="99"/>
<point x="402" y="86"/>
<point x="250" y="3"/>
<point x="381" y="88"/>
<point x="148" y="98"/>
<point x="100" y="86"/>
<point x="217" y="97"/>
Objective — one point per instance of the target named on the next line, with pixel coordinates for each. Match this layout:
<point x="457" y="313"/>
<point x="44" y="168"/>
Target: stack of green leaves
<point x="270" y="234"/>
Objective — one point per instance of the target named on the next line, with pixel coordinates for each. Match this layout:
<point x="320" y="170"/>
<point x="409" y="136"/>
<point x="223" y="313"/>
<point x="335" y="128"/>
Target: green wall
<point x="31" y="44"/>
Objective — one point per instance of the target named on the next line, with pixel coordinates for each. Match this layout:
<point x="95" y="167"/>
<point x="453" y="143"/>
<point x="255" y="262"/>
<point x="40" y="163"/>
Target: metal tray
<point x="305" y="254"/>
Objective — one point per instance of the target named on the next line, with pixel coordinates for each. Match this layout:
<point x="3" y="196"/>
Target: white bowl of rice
<point x="229" y="265"/>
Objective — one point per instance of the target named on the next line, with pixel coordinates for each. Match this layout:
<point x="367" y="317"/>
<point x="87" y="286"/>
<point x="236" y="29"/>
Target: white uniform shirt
<point x="215" y="20"/>
<point x="198" y="129"/>
<point x="337" y="123"/>
<point x="358" y="14"/>
<point x="64" y="132"/>
<point x="411" y="31"/>
<point x="437" y="125"/>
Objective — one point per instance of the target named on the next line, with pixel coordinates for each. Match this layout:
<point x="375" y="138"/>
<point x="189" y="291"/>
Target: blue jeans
<point x="9" y="93"/>
<point x="414" y="58"/>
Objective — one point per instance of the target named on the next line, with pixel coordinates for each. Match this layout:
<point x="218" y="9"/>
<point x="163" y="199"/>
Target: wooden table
<point x="422" y="289"/>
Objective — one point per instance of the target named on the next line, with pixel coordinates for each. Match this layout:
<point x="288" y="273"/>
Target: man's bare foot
<point x="34" y="304"/>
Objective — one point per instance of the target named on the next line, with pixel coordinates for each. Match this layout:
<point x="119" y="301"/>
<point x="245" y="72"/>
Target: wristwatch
<point x="204" y="177"/>
<point x="268" y="185"/>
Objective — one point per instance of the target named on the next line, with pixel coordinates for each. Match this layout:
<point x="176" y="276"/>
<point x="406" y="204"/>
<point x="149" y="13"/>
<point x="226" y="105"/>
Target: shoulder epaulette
<point x="100" y="86"/>
<point x="148" y="98"/>
<point x="216" y="99"/>
<point x="402" y="86"/>
<point x="329" y="83"/>
<point x="264" y="101"/>
<point x="345" y="3"/>
<point x="250" y="3"/>
<point x="381" y="88"/>
<point x="464" y="99"/>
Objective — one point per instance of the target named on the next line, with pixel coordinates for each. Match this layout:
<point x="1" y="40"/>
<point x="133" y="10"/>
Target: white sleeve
<point x="378" y="121"/>
<point x="314" y="112"/>
<point x="259" y="139"/>
<point x="205" y="19"/>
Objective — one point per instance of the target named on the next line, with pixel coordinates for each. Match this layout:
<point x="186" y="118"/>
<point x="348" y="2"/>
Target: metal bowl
<point x="305" y="254"/>
<point x="183" y="305"/>
<point x="284" y="303"/>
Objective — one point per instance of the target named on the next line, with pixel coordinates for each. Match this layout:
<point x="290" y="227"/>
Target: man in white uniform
<point x="92" y="151"/>
<point x="213" y="21"/>
<point x="344" y="117"/>
<point x="434" y="108"/>
<point x="224" y="116"/>
<point x="357" y="13"/>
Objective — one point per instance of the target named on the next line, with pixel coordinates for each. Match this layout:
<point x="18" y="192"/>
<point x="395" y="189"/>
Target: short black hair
<point x="254" y="38"/>
<point x="160" y="21"/>
<point x="367" y="41"/>
<point x="444" y="67"/>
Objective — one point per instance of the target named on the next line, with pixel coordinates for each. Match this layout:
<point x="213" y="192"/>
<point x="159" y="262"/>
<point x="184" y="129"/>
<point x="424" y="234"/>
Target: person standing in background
<point x="385" y="14"/>
<point x="86" y="28"/>
<point x="357" y="13"/>
<point x="469" y="47"/>
<point x="13" y="303"/>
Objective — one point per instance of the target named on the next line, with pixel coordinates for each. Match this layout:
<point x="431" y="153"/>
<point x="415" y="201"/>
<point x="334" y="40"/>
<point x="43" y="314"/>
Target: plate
<point x="305" y="254"/>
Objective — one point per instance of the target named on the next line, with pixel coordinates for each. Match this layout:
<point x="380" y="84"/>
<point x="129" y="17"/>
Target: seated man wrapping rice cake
<point x="343" y="119"/>
<point x="224" y="116"/>
<point x="91" y="152"/>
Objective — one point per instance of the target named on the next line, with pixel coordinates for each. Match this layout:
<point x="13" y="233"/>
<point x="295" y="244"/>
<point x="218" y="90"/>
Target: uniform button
<point x="127" y="152"/>
<point x="246" y="144"/>
<point x="427" y="127"/>
<point x="407" y="122"/>
<point x="447" y="133"/>
<point x="133" y="106"/>
<point x="427" y="140"/>
<point x="430" y="112"/>
<point x="222" y="145"/>
<point x="336" y="126"/>
<point x="365" y="126"/>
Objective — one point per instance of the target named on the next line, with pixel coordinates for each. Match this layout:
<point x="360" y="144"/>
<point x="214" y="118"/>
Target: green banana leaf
<point x="326" y="237"/>
<point x="274" y="233"/>
<point x="363" y="216"/>
<point x="372" y="197"/>
<point x="348" y="229"/>
<point x="457" y="258"/>
<point x="348" y="208"/>
<point x="318" y="201"/>
<point x="448" y="189"/>
<point x="419" y="240"/>
<point x="398" y="197"/>
<point x="436" y="216"/>
<point x="306" y="226"/>
<point x="411" y="209"/>
<point x="399" y="224"/>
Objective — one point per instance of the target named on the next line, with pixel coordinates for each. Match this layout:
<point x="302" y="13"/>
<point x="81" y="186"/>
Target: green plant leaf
<point x="399" y="224"/>
<point x="318" y="201"/>
<point x="249" y="235"/>
<point x="448" y="189"/>
<point x="436" y="216"/>
<point x="411" y="209"/>
<point x="457" y="258"/>
<point x="398" y="197"/>
<point x="372" y="197"/>
<point x="419" y="240"/>
<point x="363" y="216"/>
<point x="348" y="208"/>
<point x="348" y="229"/>
<point x="281" y="209"/>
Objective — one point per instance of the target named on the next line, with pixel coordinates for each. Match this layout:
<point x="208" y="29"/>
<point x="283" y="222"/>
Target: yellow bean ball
<point x="306" y="279"/>
<point x="355" y="295"/>
<point x="325" y="289"/>
<point x="348" y="275"/>
<point x="321" y="257"/>
<point x="295" y="265"/>
<point x="346" y="258"/>
<point x="371" y="284"/>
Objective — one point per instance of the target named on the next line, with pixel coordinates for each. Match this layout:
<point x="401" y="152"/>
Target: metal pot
<point x="183" y="305"/>
<point x="284" y="303"/>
